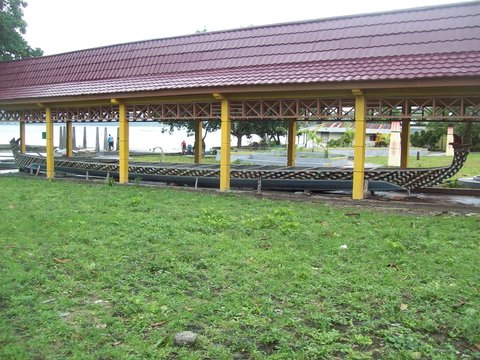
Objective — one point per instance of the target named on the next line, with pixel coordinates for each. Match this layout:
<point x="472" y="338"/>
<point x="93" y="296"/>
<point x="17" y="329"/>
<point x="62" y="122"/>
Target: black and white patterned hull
<point x="409" y="178"/>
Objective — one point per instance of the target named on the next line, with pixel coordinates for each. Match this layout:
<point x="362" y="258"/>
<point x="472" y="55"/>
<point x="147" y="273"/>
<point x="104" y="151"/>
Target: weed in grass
<point x="110" y="181"/>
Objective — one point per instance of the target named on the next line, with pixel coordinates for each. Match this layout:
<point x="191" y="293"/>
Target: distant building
<point x="332" y="130"/>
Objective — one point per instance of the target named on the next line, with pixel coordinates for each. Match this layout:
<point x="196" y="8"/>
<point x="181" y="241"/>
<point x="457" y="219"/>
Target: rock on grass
<point x="185" y="338"/>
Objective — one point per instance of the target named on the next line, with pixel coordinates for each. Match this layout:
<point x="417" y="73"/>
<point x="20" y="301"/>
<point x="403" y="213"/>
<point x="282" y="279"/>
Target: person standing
<point x="110" y="142"/>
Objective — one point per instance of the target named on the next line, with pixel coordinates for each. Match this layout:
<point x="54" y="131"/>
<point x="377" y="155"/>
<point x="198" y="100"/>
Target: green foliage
<point x="382" y="140"/>
<point x="344" y="141"/>
<point x="434" y="131"/>
<point x="12" y="26"/>
<point x="470" y="133"/>
<point x="430" y="136"/>
<point x="271" y="130"/>
<point x="314" y="138"/>
<point x="117" y="278"/>
<point x="241" y="129"/>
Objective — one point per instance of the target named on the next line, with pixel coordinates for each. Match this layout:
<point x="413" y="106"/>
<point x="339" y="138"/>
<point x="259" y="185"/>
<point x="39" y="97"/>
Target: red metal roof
<point x="425" y="43"/>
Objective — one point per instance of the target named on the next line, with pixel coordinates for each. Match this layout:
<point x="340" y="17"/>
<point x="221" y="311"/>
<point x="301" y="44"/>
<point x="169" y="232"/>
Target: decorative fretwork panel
<point x="425" y="108"/>
<point x="314" y="109"/>
<point x="27" y="115"/>
<point x="451" y="109"/>
<point x="82" y="114"/>
<point x="102" y="113"/>
<point x="174" y="111"/>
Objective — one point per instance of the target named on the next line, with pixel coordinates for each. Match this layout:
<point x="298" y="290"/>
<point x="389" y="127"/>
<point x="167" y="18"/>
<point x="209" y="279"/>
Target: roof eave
<point x="420" y="87"/>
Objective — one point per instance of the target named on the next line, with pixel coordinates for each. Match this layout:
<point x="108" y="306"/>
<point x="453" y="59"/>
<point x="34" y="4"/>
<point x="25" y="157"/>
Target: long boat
<point x="267" y="177"/>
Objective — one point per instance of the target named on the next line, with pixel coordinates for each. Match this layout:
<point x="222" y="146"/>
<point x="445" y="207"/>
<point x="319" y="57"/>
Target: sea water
<point x="143" y="136"/>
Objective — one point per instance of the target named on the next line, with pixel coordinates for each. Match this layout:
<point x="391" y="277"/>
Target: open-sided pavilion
<point x="410" y="65"/>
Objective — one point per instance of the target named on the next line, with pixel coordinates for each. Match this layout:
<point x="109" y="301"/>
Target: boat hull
<point x="205" y="175"/>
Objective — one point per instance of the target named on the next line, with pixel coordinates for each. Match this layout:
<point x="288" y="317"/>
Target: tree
<point x="468" y="131"/>
<point x="430" y="136"/>
<point x="311" y="135"/>
<point x="270" y="130"/>
<point x="267" y="130"/>
<point x="241" y="129"/>
<point x="12" y="27"/>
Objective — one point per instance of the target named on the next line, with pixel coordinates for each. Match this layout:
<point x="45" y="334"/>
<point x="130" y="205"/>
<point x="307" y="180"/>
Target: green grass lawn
<point x="92" y="271"/>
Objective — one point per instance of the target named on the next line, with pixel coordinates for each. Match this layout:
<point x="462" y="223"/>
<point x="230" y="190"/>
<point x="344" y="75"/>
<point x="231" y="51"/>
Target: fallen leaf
<point x="61" y="261"/>
<point x="403" y="307"/>
<point x="101" y="302"/>
<point x="157" y="325"/>
<point x="116" y="343"/>
<point x="477" y="346"/>
<point x="459" y="304"/>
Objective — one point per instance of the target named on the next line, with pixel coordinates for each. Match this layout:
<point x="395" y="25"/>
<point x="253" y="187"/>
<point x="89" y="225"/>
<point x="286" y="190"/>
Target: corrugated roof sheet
<point x="435" y="42"/>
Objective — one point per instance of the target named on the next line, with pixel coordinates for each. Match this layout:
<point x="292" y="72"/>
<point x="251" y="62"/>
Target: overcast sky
<point x="58" y="26"/>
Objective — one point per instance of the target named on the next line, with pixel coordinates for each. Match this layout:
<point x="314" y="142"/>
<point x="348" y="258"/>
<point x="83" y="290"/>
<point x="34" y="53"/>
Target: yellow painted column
<point x="198" y="141"/>
<point x="23" y="144"/>
<point x="404" y="143"/>
<point x="225" y="146"/>
<point x="359" y="146"/>
<point x="50" y="149"/>
<point x="291" y="146"/>
<point x="123" y="144"/>
<point x="69" y="138"/>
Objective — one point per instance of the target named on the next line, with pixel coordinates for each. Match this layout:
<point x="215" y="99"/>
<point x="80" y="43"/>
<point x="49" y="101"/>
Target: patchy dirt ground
<point x="445" y="201"/>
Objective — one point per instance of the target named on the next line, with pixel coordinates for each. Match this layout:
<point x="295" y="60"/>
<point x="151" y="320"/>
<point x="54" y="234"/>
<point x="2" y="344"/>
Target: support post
<point x="123" y="142"/>
<point x="105" y="139"/>
<point x="69" y="138"/>
<point x="50" y="149"/>
<point x="198" y="141"/>
<point x="404" y="143"/>
<point x="97" y="140"/>
<point x="394" y="148"/>
<point x="225" y="146"/>
<point x="291" y="146"/>
<point x="359" y="146"/>
<point x="84" y="137"/>
<point x="23" y="144"/>
<point x="60" y="137"/>
<point x="74" y="138"/>
<point x="449" y="148"/>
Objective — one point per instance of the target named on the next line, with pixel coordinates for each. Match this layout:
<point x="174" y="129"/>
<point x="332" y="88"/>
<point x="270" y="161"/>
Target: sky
<point x="58" y="26"/>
